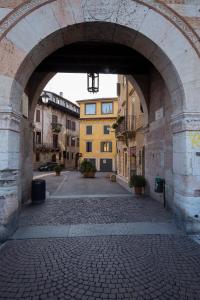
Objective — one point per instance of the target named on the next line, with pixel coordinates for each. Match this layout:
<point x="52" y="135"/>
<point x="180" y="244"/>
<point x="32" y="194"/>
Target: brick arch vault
<point x="34" y="29"/>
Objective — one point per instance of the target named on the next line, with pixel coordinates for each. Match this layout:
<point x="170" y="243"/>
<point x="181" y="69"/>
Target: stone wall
<point x="158" y="141"/>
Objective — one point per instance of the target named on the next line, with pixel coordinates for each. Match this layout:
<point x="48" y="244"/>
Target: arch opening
<point x="158" y="78"/>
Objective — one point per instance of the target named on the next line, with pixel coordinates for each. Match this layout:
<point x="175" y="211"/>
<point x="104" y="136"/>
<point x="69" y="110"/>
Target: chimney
<point x="61" y="94"/>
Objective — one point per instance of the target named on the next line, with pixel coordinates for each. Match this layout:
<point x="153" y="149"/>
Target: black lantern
<point x="93" y="82"/>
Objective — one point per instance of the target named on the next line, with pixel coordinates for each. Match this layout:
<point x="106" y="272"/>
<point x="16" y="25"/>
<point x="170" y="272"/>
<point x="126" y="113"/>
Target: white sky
<point x="74" y="86"/>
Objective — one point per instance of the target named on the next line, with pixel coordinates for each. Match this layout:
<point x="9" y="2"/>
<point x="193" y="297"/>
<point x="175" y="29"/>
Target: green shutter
<point x="102" y="144"/>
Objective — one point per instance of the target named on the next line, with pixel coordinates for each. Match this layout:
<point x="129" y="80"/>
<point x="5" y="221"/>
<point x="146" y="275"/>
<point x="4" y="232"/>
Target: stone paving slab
<point x="196" y="238"/>
<point x="102" y="196"/>
<point x="81" y="230"/>
<point x="142" y="267"/>
<point x="95" y="210"/>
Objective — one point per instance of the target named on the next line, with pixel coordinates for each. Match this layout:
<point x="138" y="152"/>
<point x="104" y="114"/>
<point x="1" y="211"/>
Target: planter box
<point x="138" y="190"/>
<point x="89" y="174"/>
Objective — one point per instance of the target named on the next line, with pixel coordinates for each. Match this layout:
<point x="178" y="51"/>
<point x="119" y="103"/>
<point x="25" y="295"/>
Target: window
<point x="37" y="115"/>
<point x="106" y="146"/>
<point x="90" y="109"/>
<point x="38" y="137"/>
<point x="78" y="142"/>
<point x="88" y="146"/>
<point x="73" y="139"/>
<point x="73" y="125"/>
<point x="67" y="155"/>
<point x="54" y="119"/>
<point x="55" y="141"/>
<point x="106" y="129"/>
<point x="107" y="108"/>
<point x="89" y="129"/>
<point x="72" y="155"/>
<point x="64" y="154"/>
<point x="37" y="156"/>
<point x="68" y="124"/>
<point x="68" y="140"/>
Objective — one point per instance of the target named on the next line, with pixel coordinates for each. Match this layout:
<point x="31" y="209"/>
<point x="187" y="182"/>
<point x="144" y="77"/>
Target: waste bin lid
<point x="38" y="181"/>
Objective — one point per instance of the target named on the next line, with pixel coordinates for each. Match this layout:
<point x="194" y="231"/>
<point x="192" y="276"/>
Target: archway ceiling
<point x="96" y="57"/>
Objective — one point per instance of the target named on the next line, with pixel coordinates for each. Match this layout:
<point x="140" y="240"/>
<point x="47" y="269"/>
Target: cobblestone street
<point x="117" y="266"/>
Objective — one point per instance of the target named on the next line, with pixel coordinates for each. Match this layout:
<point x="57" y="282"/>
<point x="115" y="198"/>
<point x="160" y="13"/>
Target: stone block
<point x="10" y="141"/>
<point x="4" y="12"/>
<point x="132" y="14"/>
<point x="182" y="163"/>
<point x="192" y="91"/>
<point x="10" y="93"/>
<point x="93" y="10"/>
<point x="64" y="12"/>
<point x="10" y="161"/>
<point x="43" y="21"/>
<point x="23" y="36"/>
<point x="188" y="211"/>
<point x="10" y="58"/>
<point x="8" y="203"/>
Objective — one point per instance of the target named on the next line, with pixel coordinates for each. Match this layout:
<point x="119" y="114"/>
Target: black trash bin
<point x="38" y="191"/>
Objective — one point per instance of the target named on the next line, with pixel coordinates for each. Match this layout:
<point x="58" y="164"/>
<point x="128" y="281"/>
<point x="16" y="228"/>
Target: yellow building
<point x="97" y="138"/>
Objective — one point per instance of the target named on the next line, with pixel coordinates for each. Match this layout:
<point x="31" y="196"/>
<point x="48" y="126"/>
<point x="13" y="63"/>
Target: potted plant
<point x="58" y="169"/>
<point x="138" y="182"/>
<point x="114" y="126"/>
<point x="87" y="169"/>
<point x="120" y="119"/>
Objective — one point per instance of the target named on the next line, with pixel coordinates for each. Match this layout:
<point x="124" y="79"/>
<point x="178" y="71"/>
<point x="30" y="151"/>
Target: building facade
<point x="56" y="132"/>
<point x="97" y="138"/>
<point x="129" y="132"/>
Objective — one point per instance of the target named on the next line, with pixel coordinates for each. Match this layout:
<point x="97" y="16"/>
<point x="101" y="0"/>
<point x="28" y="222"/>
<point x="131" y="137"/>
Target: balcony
<point x="56" y="127"/>
<point x="126" y="127"/>
<point x="46" y="147"/>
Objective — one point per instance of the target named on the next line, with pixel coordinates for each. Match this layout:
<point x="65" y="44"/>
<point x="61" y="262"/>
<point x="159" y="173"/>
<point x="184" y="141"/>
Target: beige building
<point x="56" y="132"/>
<point x="129" y="132"/>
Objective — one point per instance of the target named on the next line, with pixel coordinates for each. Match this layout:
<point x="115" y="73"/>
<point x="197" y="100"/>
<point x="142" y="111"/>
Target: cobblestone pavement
<point x="73" y="183"/>
<point x="95" y="210"/>
<point x="128" y="268"/>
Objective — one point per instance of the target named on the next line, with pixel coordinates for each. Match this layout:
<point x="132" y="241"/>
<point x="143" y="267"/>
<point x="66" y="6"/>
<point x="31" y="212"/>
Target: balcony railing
<point x="46" y="147"/>
<point x="56" y="127"/>
<point x="129" y="125"/>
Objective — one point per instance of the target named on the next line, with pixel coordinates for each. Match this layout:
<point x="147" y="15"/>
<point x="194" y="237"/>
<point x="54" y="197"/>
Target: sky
<point x="74" y="86"/>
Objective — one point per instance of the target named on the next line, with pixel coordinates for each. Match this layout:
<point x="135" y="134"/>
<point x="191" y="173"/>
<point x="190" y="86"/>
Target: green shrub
<point x="114" y="126"/>
<point x="120" y="119"/>
<point x="58" y="169"/>
<point x="137" y="181"/>
<point x="87" y="166"/>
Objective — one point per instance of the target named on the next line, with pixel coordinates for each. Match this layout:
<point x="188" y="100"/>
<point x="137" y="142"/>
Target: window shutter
<point x="110" y="146"/>
<point x="102" y="146"/>
<point x="37" y="115"/>
<point x="118" y="89"/>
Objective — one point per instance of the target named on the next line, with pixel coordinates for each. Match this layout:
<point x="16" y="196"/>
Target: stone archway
<point x="146" y="27"/>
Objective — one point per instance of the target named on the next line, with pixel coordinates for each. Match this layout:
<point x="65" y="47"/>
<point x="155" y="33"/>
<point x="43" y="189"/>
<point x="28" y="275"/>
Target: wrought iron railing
<point x="56" y="127"/>
<point x="129" y="124"/>
<point x="46" y="147"/>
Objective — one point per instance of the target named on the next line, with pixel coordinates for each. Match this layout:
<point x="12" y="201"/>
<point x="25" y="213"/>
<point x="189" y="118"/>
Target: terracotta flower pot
<point x="89" y="174"/>
<point x="138" y="190"/>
